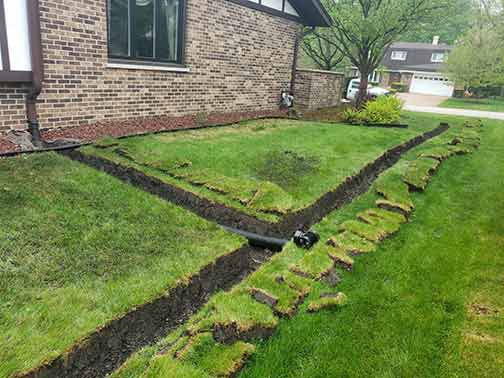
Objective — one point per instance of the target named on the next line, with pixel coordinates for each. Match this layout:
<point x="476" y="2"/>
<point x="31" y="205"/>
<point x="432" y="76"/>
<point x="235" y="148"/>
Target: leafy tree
<point x="449" y="25"/>
<point x="477" y="62"/>
<point x="362" y="30"/>
<point x="324" y="54"/>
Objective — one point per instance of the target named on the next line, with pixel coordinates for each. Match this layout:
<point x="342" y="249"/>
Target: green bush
<point x="399" y="87"/>
<point x="383" y="110"/>
<point x="351" y="115"/>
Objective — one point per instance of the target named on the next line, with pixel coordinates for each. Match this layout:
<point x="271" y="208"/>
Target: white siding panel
<point x="290" y="9"/>
<point x="16" y="19"/>
<point x="275" y="4"/>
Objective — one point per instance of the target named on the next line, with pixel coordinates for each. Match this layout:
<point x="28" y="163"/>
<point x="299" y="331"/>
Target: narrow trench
<point x="238" y="220"/>
<point x="109" y="346"/>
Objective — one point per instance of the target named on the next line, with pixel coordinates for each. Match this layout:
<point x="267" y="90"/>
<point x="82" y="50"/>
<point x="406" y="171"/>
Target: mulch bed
<point x="87" y="133"/>
<point x="7" y="146"/>
<point x="131" y="127"/>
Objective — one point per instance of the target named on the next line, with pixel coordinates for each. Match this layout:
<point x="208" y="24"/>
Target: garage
<point x="429" y="84"/>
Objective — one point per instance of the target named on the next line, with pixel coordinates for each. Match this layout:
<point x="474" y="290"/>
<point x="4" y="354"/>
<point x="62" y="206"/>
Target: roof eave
<point x="312" y="13"/>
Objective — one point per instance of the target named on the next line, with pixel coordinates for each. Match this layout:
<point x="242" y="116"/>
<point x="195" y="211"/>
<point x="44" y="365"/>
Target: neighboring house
<point x="112" y="60"/>
<point x="416" y="65"/>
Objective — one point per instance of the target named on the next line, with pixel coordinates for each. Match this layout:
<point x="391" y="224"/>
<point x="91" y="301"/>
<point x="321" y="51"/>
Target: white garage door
<point x="436" y="85"/>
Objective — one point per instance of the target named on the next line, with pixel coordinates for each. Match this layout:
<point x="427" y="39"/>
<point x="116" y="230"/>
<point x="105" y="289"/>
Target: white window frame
<point x="399" y="55"/>
<point x="435" y="58"/>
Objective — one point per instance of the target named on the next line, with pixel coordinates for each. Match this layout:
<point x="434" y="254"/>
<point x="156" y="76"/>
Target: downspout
<point x="37" y="71"/>
<point x="299" y="37"/>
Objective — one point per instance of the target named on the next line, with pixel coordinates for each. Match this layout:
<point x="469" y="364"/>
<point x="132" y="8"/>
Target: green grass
<point x="485" y="104"/>
<point x="79" y="248"/>
<point x="279" y="286"/>
<point x="265" y="168"/>
<point x="429" y="302"/>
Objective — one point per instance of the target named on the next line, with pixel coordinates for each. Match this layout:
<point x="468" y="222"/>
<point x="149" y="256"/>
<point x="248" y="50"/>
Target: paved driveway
<point x="429" y="104"/>
<point x="412" y="99"/>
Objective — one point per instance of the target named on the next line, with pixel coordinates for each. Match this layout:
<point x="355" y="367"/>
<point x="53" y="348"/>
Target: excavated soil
<point x="109" y="346"/>
<point x="303" y="219"/>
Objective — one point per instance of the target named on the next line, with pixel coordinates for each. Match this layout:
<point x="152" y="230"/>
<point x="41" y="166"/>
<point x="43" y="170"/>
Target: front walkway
<point x="429" y="104"/>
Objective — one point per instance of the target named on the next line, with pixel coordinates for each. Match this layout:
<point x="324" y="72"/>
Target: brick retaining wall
<point x="318" y="89"/>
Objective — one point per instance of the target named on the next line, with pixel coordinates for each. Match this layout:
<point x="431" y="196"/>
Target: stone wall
<point x="318" y="89"/>
<point x="239" y="60"/>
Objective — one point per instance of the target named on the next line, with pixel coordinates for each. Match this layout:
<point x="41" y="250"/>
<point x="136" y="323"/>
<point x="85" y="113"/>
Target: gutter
<point x="37" y="71"/>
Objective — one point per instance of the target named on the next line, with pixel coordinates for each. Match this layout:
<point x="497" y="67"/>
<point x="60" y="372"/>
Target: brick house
<point x="99" y="61"/>
<point x="418" y="66"/>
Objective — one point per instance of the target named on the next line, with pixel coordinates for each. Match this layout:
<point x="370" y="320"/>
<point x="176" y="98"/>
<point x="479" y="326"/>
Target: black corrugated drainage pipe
<point x="256" y="240"/>
<point x="37" y="71"/>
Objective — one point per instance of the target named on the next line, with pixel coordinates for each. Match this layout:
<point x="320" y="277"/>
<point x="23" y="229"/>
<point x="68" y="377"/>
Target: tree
<point x="448" y="25"/>
<point x="477" y="61"/>
<point x="362" y="30"/>
<point x="489" y="13"/>
<point x="325" y="55"/>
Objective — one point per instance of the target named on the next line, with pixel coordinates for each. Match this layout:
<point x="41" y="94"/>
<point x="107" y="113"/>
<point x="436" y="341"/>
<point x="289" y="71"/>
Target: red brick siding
<point x="239" y="58"/>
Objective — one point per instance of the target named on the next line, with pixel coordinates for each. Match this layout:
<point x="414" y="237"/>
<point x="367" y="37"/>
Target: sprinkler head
<point x="306" y="240"/>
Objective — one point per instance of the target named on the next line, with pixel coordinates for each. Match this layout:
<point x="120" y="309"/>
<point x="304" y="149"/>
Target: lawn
<point x="264" y="168"/>
<point x="79" y="248"/>
<point x="486" y="104"/>
<point x="426" y="302"/>
<point x="429" y="302"/>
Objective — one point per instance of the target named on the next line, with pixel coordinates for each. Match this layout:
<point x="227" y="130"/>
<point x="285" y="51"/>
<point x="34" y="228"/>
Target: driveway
<point x="413" y="99"/>
<point x="429" y="104"/>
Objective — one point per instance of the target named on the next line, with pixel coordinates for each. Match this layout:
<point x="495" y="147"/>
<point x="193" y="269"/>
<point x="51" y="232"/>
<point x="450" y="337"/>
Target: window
<point x="147" y="30"/>
<point x="438" y="58"/>
<point x="399" y="55"/>
<point x="375" y="77"/>
<point x="283" y="6"/>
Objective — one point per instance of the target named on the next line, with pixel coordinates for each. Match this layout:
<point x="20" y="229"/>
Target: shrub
<point x="351" y="115"/>
<point x="384" y="110"/>
<point x="399" y="87"/>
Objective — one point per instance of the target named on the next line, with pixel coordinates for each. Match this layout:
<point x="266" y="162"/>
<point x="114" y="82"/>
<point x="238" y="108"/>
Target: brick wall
<point x="385" y="79"/>
<point x="239" y="59"/>
<point x="12" y="106"/>
<point x="318" y="89"/>
<point x="406" y="79"/>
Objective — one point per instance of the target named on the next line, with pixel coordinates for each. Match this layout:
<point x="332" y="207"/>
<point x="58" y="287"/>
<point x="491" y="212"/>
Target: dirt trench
<point x="108" y="347"/>
<point x="345" y="193"/>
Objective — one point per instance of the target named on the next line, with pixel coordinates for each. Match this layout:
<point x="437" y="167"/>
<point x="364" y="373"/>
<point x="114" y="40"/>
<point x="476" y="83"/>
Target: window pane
<point x="275" y="4"/>
<point x="118" y="28"/>
<point x="144" y="28"/>
<point x="167" y="31"/>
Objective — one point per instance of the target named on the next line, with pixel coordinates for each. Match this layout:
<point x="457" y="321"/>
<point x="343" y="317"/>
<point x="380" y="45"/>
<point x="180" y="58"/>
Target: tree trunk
<point x="363" y="88"/>
<point x="502" y="91"/>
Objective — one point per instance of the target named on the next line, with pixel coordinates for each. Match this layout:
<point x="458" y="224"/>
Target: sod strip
<point x="106" y="349"/>
<point x="229" y="217"/>
<point x="91" y="360"/>
<point x="230" y="321"/>
<point x="354" y="186"/>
